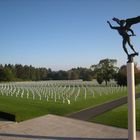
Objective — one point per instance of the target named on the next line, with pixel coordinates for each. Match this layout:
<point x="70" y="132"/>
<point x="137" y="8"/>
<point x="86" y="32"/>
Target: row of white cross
<point x="64" y="91"/>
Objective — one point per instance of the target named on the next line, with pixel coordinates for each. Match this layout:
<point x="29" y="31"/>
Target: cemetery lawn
<point x="25" y="109"/>
<point x="118" y="117"/>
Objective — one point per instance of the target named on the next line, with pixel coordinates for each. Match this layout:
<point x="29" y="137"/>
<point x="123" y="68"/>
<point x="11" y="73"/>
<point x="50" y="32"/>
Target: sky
<point x="64" y="34"/>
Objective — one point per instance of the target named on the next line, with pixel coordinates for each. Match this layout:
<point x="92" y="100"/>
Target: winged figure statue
<point x="124" y="29"/>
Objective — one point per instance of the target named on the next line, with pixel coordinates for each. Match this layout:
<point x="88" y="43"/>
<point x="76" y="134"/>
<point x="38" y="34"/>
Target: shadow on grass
<point x="54" y="137"/>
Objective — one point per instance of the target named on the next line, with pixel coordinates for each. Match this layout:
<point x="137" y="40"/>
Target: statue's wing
<point x="131" y="21"/>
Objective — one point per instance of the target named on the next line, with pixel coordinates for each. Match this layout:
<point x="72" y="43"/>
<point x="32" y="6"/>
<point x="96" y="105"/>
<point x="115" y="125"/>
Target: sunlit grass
<point x="118" y="117"/>
<point x="26" y="108"/>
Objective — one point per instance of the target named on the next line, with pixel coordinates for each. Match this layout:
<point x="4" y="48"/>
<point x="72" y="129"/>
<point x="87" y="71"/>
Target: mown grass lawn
<point x="25" y="109"/>
<point x="118" y="117"/>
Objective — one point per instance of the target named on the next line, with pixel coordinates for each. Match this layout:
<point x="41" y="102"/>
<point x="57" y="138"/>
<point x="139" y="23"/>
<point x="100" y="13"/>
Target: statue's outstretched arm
<point x="116" y="20"/>
<point x="112" y="27"/>
<point x="132" y="32"/>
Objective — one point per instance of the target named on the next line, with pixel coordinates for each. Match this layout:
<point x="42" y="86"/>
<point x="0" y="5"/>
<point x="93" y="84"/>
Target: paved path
<point x="92" y="112"/>
<point x="52" y="127"/>
<point x="4" y="123"/>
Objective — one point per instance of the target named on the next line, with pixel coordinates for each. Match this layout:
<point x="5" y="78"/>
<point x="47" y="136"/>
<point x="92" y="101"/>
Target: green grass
<point x="118" y="117"/>
<point x="25" y="109"/>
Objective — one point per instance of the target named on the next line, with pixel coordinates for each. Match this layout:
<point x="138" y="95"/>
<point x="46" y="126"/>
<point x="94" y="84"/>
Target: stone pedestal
<point x="131" y="101"/>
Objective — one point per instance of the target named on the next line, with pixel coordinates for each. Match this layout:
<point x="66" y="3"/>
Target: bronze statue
<point x="128" y="22"/>
<point x="124" y="29"/>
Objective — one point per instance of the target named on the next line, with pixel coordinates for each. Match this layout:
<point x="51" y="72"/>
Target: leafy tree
<point x="2" y="75"/>
<point x="85" y="74"/>
<point x="49" y="75"/>
<point x="73" y="74"/>
<point x="19" y="71"/>
<point x="105" y="70"/>
<point x="137" y="74"/>
<point x="121" y="76"/>
<point x="24" y="72"/>
<point x="62" y="75"/>
<point x="34" y="73"/>
<point x="137" y="78"/>
<point x="99" y="78"/>
<point x="6" y="75"/>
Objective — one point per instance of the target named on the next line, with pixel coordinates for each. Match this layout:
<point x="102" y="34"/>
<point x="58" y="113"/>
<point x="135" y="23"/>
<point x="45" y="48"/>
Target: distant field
<point x="27" y="100"/>
<point x="118" y="117"/>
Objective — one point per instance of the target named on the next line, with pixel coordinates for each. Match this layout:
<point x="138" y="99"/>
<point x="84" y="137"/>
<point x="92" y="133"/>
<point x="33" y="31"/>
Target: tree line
<point x="104" y="71"/>
<point x="20" y="72"/>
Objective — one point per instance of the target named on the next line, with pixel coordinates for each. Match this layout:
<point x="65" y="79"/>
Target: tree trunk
<point x="106" y="83"/>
